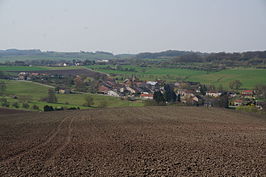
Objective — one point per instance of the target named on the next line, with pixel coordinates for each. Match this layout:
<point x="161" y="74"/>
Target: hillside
<point x="166" y="58"/>
<point x="26" y="55"/>
<point x="250" y="77"/>
<point x="147" y="141"/>
<point x="33" y="92"/>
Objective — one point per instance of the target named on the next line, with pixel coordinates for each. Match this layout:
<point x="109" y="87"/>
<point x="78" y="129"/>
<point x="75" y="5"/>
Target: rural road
<point x="147" y="141"/>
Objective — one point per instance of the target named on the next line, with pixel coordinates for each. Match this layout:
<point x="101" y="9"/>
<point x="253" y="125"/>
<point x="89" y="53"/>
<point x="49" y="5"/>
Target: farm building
<point x="238" y="102"/>
<point x="112" y="93"/>
<point x="103" y="90"/>
<point x="213" y="94"/>
<point x="247" y="93"/>
<point x="146" y="96"/>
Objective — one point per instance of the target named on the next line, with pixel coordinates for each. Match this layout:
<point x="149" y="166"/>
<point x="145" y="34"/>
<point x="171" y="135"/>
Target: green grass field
<point x="20" y="68"/>
<point x="250" y="77"/>
<point x="37" y="91"/>
<point x="36" y="68"/>
<point x="150" y="73"/>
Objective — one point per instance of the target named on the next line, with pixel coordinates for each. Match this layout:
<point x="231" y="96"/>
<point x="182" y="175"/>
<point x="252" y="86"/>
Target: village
<point x="132" y="89"/>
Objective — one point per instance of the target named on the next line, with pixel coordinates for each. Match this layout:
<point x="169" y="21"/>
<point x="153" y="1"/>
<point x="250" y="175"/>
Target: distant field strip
<point x="20" y="68"/>
<point x="37" y="68"/>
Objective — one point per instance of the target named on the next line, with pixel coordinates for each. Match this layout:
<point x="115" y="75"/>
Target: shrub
<point x="73" y="108"/>
<point x="48" y="108"/>
<point x="15" y="105"/>
<point x="4" y="102"/>
<point x="26" y="105"/>
<point x="35" y="107"/>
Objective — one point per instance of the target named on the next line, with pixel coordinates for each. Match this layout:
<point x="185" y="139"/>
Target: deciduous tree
<point x="89" y="101"/>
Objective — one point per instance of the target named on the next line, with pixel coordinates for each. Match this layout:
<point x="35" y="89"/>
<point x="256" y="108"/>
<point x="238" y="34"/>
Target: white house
<point x="213" y="94"/>
<point x="132" y="91"/>
<point x="151" y="83"/>
<point x="112" y="93"/>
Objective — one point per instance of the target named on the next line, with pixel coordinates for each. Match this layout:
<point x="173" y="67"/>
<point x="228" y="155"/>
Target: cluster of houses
<point x="190" y="93"/>
<point x="78" y="63"/>
<point x="131" y="88"/>
<point x="246" y="98"/>
<point x="29" y="75"/>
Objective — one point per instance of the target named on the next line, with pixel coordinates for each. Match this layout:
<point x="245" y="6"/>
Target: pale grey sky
<point x="132" y="26"/>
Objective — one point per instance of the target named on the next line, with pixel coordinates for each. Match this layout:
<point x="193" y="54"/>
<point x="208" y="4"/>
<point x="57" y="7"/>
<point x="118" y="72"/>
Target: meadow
<point x="148" y="73"/>
<point x="35" y="91"/>
<point x="36" y="68"/>
<point x="250" y="77"/>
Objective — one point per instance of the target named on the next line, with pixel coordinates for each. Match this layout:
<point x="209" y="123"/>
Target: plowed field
<point x="147" y="141"/>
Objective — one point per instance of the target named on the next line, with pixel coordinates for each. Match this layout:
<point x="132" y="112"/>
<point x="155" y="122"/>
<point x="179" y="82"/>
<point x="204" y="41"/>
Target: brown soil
<point x="149" y="141"/>
<point x="4" y="111"/>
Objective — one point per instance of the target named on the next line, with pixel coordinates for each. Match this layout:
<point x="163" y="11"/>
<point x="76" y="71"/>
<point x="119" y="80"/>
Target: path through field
<point x="147" y="141"/>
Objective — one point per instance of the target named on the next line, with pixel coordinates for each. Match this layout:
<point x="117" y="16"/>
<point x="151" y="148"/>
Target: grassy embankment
<point x="37" y="91"/>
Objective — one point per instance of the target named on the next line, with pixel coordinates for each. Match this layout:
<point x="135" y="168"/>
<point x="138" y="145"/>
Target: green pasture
<point x="150" y="73"/>
<point x="20" y="68"/>
<point x="37" y="68"/>
<point x="37" y="91"/>
<point x="250" y="77"/>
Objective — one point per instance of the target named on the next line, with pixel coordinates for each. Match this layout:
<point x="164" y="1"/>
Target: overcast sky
<point x="132" y="26"/>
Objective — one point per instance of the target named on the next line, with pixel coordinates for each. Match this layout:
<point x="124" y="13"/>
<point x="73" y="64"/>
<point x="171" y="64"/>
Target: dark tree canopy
<point x="170" y="95"/>
<point x="158" y="97"/>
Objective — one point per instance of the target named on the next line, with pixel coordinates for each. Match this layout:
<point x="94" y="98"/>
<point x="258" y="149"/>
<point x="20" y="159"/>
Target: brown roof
<point x="103" y="89"/>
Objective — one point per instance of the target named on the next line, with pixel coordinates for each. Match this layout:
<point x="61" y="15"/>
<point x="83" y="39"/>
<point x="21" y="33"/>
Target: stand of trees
<point x="169" y="96"/>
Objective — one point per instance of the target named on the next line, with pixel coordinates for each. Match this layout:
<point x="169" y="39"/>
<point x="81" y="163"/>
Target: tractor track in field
<point x="67" y="140"/>
<point x="52" y="135"/>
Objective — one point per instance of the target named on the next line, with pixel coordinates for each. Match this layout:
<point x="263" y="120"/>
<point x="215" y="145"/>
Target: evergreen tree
<point x="170" y="95"/>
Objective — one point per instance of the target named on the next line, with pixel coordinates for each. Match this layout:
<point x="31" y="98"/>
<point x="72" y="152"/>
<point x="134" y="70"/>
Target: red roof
<point x="238" y="101"/>
<point x="248" y="91"/>
<point x="146" y="95"/>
